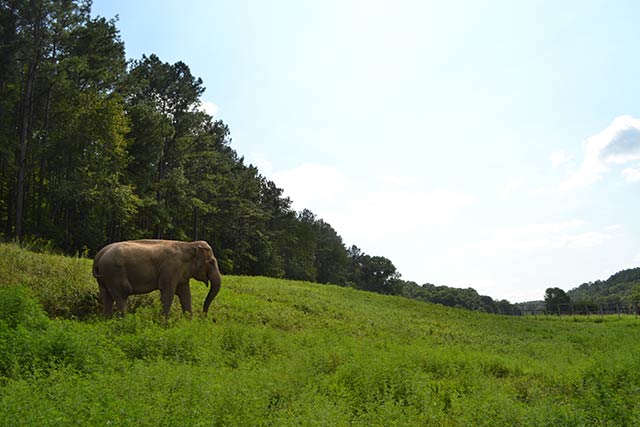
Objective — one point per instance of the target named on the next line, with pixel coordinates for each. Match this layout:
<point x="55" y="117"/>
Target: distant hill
<point x="616" y="288"/>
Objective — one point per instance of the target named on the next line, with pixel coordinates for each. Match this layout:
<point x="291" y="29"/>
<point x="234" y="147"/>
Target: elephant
<point x="142" y="266"/>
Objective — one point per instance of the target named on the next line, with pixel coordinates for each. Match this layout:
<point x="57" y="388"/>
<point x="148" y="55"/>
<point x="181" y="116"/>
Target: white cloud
<point x="559" y="158"/>
<point x="631" y="174"/>
<point x="262" y="163"/>
<point x="311" y="183"/>
<point x="388" y="213"/>
<point x="398" y="181"/>
<point x="589" y="239"/>
<point x="391" y="207"/>
<point x="617" y="144"/>
<point x="614" y="228"/>
<point x="533" y="230"/>
<point x="562" y="235"/>
<point x="581" y="178"/>
<point x="511" y="187"/>
<point x="210" y="108"/>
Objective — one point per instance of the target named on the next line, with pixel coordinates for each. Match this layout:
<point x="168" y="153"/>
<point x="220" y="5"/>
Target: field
<point x="284" y="353"/>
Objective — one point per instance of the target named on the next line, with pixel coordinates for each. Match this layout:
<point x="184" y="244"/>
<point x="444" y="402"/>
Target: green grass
<point x="284" y="353"/>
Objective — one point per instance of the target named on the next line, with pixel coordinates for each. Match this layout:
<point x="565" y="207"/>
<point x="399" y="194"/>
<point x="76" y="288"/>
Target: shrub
<point x="243" y="342"/>
<point x="17" y="307"/>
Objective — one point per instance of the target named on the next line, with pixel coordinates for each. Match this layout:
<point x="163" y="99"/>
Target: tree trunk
<point x="195" y="223"/>
<point x="9" y="224"/>
<point x="25" y="124"/>
<point x="26" y="115"/>
<point x="43" y="145"/>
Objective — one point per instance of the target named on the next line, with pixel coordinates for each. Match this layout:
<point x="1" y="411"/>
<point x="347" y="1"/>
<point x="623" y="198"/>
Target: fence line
<point x="578" y="309"/>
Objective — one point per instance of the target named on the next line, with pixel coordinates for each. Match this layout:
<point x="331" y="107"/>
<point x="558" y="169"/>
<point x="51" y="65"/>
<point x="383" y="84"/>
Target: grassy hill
<point x="275" y="352"/>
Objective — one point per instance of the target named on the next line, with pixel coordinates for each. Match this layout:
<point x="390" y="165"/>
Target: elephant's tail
<point x="96" y="262"/>
<point x="96" y="273"/>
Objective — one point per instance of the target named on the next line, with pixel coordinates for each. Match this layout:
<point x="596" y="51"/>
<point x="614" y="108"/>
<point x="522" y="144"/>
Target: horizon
<point x="492" y="146"/>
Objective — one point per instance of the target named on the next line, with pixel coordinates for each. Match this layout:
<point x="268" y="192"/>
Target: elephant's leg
<point x="120" y="292"/>
<point x="184" y="294"/>
<point x="121" y="305"/>
<point x="166" y="297"/>
<point x="107" y="302"/>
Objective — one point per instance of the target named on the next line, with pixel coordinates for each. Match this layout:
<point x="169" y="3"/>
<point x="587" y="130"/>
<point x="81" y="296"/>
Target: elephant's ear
<point x="203" y="251"/>
<point x="193" y="252"/>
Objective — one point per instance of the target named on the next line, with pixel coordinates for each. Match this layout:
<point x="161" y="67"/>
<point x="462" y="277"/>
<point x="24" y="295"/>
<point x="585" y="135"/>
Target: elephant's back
<point x="148" y="249"/>
<point x="133" y="255"/>
<point x="130" y="253"/>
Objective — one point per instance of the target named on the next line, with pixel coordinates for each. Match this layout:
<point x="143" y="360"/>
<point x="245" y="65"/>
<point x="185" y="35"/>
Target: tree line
<point x="619" y="293"/>
<point x="587" y="301"/>
<point x="621" y="287"/>
<point x="96" y="149"/>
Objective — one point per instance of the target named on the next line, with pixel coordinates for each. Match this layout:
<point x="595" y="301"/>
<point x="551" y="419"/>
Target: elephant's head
<point x="206" y="270"/>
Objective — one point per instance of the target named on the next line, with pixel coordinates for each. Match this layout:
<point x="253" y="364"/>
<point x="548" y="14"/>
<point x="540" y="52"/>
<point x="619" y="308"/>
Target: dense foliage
<point x="94" y="149"/>
<point x="618" y="293"/>
<point x="557" y="300"/>
<point x="291" y="353"/>
<point x="622" y="287"/>
<point x="456" y="297"/>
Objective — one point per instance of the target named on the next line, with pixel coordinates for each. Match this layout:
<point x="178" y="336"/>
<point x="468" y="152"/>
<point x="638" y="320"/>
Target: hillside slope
<point x="617" y="288"/>
<point x="277" y="352"/>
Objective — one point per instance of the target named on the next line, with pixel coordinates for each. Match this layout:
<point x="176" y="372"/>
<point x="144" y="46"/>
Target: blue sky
<point x="493" y="145"/>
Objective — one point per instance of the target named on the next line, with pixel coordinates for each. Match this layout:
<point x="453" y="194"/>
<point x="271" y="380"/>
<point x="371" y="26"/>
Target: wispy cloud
<point x="559" y="158"/>
<point x="511" y="187"/>
<point x="562" y="235"/>
<point x="614" y="228"/>
<point x="396" y="181"/>
<point x="631" y="174"/>
<point x="394" y="204"/>
<point x="533" y="230"/>
<point x="385" y="213"/>
<point x="262" y="163"/>
<point x="589" y="239"/>
<point x="310" y="183"/>
<point x="617" y="144"/>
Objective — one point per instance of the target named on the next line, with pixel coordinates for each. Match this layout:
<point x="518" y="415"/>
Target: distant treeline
<point x="457" y="297"/>
<point x="622" y="287"/>
<point x="95" y="149"/>
<point x="620" y="293"/>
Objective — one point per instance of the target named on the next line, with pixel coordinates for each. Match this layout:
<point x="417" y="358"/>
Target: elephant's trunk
<point x="215" y="280"/>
